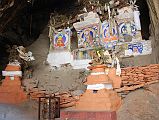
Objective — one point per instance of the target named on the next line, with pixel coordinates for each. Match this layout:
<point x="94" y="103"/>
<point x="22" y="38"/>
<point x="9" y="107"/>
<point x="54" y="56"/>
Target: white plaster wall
<point x="80" y="64"/>
<point x="56" y="58"/>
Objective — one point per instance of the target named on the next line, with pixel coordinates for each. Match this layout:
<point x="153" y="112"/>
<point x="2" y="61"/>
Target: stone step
<point x="87" y="115"/>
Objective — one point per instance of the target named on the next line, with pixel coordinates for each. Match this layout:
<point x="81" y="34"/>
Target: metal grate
<point x="49" y="108"/>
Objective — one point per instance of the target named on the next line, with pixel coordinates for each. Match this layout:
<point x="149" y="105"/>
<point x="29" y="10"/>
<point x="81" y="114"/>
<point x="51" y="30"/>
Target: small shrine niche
<point x="129" y="25"/>
<point x="109" y="33"/>
<point x="88" y="31"/>
<point x="119" y="33"/>
<point x="60" y="45"/>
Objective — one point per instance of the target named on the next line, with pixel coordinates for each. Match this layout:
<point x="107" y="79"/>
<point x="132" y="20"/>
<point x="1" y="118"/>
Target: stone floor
<point x="25" y="111"/>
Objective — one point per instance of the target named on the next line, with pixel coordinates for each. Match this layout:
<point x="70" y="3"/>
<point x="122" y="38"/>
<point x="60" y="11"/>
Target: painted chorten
<point x="99" y="95"/>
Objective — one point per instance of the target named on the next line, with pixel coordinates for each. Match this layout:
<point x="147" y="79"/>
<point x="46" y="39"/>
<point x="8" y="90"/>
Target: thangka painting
<point x="109" y="34"/>
<point x="128" y="30"/>
<point x="109" y="31"/>
<point x="128" y="25"/>
<point x="87" y="37"/>
<point x="61" y="40"/>
<point x="88" y="32"/>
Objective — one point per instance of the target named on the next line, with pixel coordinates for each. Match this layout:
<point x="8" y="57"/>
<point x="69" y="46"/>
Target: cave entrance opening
<point x="145" y="18"/>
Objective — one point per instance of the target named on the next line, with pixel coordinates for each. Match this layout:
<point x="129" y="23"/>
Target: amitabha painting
<point x="62" y="40"/>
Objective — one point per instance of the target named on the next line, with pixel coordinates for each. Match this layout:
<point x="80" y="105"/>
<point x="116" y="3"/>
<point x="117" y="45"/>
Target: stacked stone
<point x="66" y="99"/>
<point x="35" y="93"/>
<point x="140" y="75"/>
<point x="137" y="77"/>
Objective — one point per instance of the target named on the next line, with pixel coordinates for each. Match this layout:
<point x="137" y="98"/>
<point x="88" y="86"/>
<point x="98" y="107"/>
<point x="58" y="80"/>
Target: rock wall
<point x="154" y="28"/>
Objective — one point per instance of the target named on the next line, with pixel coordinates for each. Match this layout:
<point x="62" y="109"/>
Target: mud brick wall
<point x="140" y="75"/>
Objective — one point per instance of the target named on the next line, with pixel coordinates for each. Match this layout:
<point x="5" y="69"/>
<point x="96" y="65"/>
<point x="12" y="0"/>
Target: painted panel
<point x="109" y="31"/>
<point x="87" y="37"/>
<point x="109" y="34"/>
<point x="82" y="54"/>
<point x="60" y="40"/>
<point x="111" y="44"/>
<point x="88" y="32"/>
<point x="129" y="24"/>
<point x="138" y="48"/>
<point x="134" y="48"/>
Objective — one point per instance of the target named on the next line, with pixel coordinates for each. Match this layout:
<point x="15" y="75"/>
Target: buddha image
<point x="60" y="41"/>
<point x="88" y="35"/>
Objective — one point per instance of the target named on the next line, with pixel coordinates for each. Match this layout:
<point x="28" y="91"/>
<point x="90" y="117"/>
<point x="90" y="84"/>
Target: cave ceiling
<point x="21" y="20"/>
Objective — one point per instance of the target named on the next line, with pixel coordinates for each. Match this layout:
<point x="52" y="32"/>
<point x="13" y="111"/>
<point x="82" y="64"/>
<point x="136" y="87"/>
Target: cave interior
<point x="29" y="22"/>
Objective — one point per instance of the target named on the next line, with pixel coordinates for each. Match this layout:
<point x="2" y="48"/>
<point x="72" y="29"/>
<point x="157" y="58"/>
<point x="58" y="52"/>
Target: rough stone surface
<point x="140" y="105"/>
<point x="154" y="27"/>
<point x="136" y="61"/>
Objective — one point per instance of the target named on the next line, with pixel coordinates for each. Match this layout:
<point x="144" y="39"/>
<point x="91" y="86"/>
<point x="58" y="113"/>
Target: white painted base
<point x="99" y="86"/>
<point x="12" y="73"/>
<point x="80" y="64"/>
<point x="57" y="58"/>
